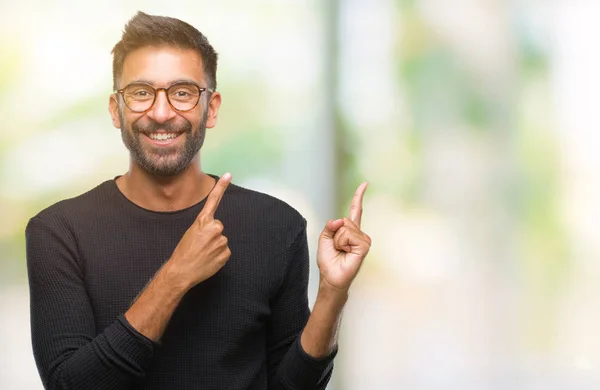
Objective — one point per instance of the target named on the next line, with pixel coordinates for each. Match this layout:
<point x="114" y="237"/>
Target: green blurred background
<point x="475" y="122"/>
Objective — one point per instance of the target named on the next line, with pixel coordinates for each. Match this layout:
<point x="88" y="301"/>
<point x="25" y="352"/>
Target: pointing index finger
<point x="215" y="196"/>
<point x="356" y="207"/>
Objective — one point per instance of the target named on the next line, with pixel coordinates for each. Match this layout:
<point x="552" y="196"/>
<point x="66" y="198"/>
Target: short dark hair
<point x="148" y="30"/>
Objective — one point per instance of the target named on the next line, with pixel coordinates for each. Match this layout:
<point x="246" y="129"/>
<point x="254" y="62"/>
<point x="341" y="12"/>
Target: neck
<point x="165" y="193"/>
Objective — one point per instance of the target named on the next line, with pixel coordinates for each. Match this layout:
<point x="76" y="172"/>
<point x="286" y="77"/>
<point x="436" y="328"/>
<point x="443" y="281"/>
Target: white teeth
<point x="162" y="136"/>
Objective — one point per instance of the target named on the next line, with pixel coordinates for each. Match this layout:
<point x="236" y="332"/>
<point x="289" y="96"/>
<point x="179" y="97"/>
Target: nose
<point x="161" y="111"/>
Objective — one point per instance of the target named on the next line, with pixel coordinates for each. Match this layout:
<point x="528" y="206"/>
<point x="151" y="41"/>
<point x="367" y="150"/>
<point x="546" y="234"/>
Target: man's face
<point x="164" y="141"/>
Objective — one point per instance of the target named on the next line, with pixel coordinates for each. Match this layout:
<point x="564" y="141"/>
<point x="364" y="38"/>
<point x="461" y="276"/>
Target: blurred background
<point x="475" y="122"/>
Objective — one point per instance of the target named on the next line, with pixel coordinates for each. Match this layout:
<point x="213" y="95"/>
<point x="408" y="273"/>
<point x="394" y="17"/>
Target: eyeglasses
<point x="182" y="96"/>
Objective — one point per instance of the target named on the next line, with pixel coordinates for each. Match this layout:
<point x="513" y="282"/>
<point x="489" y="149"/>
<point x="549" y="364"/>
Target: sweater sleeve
<point x="289" y="366"/>
<point x="68" y="350"/>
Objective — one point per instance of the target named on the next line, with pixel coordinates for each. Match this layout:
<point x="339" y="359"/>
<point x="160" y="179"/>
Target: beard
<point x="164" y="161"/>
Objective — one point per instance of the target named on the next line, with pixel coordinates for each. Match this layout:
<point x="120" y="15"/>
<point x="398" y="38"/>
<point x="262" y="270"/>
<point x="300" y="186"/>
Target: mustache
<point x="153" y="126"/>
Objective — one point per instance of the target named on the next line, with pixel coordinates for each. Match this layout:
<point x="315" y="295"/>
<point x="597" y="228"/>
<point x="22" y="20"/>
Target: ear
<point x="113" y="109"/>
<point x="213" y="109"/>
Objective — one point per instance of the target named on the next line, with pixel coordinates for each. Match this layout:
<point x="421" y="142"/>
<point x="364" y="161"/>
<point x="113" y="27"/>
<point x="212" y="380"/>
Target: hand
<point x="203" y="250"/>
<point x="343" y="247"/>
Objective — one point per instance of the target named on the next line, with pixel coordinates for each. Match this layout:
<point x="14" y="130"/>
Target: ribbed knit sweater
<point x="89" y="257"/>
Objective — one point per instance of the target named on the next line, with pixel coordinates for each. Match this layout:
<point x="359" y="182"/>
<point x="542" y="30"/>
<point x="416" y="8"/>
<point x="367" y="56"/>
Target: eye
<point x="183" y="92"/>
<point x="139" y="92"/>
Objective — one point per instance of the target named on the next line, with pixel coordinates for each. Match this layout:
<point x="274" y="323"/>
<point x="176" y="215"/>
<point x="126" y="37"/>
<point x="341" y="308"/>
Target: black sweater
<point x="90" y="256"/>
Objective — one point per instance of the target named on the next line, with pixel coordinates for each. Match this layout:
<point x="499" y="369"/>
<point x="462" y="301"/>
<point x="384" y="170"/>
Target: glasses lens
<point x="139" y="97"/>
<point x="184" y="96"/>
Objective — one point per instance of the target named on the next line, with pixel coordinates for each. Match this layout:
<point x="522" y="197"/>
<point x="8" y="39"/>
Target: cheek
<point x="128" y="121"/>
<point x="193" y="119"/>
<point x="121" y="119"/>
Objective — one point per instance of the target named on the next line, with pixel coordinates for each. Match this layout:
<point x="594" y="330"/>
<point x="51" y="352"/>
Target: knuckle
<point x="218" y="225"/>
<point x="224" y="256"/>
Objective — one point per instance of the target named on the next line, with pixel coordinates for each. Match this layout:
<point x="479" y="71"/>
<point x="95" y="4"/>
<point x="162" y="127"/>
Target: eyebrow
<point x="144" y="81"/>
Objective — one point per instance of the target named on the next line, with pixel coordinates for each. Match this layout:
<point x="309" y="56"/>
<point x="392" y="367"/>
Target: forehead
<point x="162" y="65"/>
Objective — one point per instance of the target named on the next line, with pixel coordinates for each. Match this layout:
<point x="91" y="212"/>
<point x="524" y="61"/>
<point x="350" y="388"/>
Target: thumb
<point x="331" y="227"/>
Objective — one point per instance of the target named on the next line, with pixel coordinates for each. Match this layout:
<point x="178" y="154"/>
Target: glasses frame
<point x="157" y="90"/>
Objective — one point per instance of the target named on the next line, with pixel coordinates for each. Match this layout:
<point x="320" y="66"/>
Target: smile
<point x="163" y="139"/>
<point x="162" y="136"/>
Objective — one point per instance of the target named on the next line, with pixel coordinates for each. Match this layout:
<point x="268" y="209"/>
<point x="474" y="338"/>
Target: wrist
<point x="176" y="280"/>
<point x="331" y="295"/>
<point x="319" y="337"/>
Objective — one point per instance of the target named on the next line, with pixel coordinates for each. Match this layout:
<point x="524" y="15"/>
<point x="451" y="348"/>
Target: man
<point x="170" y="278"/>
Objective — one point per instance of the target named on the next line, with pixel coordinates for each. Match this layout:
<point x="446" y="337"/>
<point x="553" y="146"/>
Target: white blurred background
<point x="476" y="123"/>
